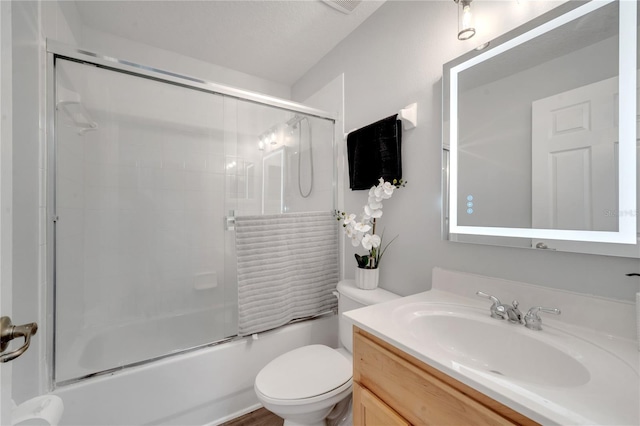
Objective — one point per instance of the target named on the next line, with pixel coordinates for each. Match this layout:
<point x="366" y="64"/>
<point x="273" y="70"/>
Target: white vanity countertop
<point x="611" y="395"/>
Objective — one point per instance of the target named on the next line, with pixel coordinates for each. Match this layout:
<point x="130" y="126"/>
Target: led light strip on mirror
<point x="626" y="233"/>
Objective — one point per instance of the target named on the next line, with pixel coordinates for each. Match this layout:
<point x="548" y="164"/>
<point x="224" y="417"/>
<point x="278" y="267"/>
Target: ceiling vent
<point x="344" y="6"/>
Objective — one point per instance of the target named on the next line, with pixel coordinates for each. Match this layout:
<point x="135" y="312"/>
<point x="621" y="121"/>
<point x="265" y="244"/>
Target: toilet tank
<point x="352" y="297"/>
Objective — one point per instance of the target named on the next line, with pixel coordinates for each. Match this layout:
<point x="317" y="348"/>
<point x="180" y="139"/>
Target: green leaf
<point x="363" y="261"/>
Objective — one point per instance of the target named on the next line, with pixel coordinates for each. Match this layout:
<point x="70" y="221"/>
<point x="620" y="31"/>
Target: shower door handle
<point x="8" y="332"/>
<point x="230" y="221"/>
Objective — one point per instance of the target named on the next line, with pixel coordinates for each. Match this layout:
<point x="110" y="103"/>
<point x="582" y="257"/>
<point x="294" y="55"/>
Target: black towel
<point x="374" y="153"/>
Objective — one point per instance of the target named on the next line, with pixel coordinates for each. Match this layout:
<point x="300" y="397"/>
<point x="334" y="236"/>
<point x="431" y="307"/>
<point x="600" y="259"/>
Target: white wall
<point x="62" y="22"/>
<point x="395" y="58"/>
<point x="26" y="170"/>
<point x="32" y="23"/>
<point x="108" y="44"/>
<point x="6" y="194"/>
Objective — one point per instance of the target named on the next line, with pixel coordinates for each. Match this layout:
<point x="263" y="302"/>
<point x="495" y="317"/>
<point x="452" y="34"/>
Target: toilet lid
<point x="304" y="373"/>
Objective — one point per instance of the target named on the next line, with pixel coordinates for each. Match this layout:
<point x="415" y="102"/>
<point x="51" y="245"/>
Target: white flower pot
<point x="367" y="279"/>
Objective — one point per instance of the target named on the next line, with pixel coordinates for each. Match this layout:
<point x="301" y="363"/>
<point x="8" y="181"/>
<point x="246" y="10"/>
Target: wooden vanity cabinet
<point x="392" y="388"/>
<point x="372" y="411"/>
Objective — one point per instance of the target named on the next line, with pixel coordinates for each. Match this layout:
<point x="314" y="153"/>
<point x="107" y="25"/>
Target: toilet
<point x="304" y="385"/>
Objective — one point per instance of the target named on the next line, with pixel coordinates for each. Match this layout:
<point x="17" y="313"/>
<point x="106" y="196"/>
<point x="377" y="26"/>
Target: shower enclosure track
<point x="61" y="50"/>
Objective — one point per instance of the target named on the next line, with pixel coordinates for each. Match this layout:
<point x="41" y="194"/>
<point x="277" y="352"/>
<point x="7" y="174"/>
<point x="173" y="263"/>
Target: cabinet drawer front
<point x="368" y="410"/>
<point x="416" y="395"/>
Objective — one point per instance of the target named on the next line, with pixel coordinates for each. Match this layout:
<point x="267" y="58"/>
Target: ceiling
<point x="278" y="40"/>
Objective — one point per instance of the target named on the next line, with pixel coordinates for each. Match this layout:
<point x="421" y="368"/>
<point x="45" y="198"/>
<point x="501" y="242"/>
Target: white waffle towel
<point x="287" y="268"/>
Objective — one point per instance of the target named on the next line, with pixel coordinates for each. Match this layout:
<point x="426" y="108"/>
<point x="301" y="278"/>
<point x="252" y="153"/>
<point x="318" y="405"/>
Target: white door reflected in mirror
<point x="574" y="159"/>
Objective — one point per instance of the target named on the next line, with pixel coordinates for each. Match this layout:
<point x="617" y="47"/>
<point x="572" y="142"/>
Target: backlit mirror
<point x="540" y="134"/>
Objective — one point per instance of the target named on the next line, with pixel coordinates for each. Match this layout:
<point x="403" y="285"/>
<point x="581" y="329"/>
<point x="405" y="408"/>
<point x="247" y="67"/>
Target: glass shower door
<point x="140" y="205"/>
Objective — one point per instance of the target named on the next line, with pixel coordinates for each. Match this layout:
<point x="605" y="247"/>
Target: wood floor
<point x="260" y="417"/>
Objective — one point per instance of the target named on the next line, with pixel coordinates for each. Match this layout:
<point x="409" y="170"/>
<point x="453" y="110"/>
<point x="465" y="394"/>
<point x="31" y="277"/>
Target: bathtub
<point x="98" y="349"/>
<point x="207" y="386"/>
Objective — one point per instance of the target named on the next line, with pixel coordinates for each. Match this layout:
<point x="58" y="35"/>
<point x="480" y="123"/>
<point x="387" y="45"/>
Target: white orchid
<point x="371" y="241"/>
<point x="357" y="230"/>
<point x="349" y="219"/>
<point x="372" y="213"/>
<point x="387" y="188"/>
<point x="374" y="204"/>
<point x="362" y="227"/>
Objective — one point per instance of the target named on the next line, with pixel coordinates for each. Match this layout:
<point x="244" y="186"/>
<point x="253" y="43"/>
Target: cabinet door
<point x="368" y="410"/>
<point x="419" y="393"/>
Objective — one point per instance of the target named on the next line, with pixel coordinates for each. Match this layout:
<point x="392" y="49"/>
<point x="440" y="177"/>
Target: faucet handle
<point x="494" y="299"/>
<point x="533" y="321"/>
<point x="497" y="309"/>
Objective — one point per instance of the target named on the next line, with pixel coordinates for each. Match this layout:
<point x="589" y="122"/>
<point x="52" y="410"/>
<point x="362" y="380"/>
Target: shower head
<point x="295" y="120"/>
<point x="344" y="6"/>
<point x="77" y="116"/>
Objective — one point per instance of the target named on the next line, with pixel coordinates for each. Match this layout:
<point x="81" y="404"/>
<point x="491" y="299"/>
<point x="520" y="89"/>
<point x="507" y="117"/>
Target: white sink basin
<point x="570" y="372"/>
<point x="477" y="341"/>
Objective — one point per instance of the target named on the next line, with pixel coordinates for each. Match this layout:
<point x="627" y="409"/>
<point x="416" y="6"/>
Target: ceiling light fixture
<point x="466" y="29"/>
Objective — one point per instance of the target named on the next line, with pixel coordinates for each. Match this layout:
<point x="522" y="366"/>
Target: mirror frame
<point x="563" y="14"/>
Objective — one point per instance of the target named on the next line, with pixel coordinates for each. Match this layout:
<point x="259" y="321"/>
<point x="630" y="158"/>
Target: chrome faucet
<point x="533" y="321"/>
<point x="501" y="311"/>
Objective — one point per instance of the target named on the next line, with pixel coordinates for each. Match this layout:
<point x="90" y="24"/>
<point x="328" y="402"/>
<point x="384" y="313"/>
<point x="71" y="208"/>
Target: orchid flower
<point x="362" y="230"/>
<point x="375" y="214"/>
<point x="362" y="227"/>
<point x="370" y="241"/>
<point x="350" y="219"/>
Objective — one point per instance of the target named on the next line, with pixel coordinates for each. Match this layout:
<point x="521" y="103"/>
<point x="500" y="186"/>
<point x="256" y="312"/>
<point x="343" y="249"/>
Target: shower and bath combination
<point x="139" y="254"/>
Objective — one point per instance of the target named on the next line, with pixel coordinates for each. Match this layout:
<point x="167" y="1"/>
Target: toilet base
<point x="342" y="413"/>
<point x="313" y="418"/>
<point x="312" y="413"/>
<point x="289" y="422"/>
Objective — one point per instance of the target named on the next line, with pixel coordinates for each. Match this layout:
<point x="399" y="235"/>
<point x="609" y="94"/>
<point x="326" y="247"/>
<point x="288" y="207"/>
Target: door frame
<point x="6" y="196"/>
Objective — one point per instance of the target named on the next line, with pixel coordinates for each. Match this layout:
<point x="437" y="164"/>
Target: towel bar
<point x="408" y="115"/>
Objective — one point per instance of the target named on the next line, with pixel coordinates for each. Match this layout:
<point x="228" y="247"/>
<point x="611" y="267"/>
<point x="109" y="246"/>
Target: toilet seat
<point x="304" y="375"/>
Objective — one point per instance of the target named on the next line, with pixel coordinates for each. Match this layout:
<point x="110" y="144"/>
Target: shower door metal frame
<point x="62" y="50"/>
<point x="56" y="50"/>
